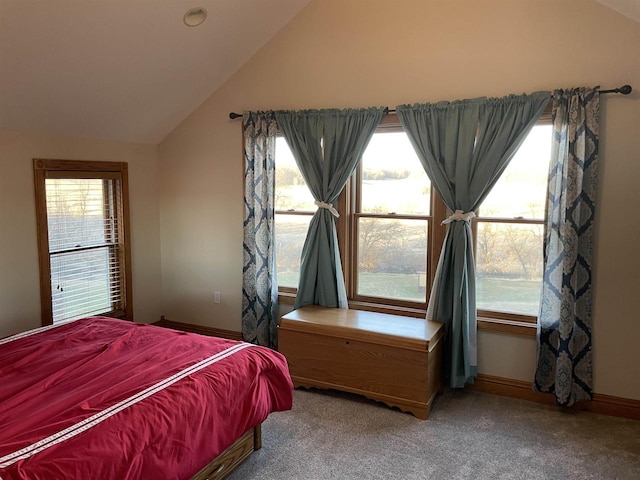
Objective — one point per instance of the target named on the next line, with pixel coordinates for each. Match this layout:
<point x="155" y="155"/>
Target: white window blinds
<point x="84" y="245"/>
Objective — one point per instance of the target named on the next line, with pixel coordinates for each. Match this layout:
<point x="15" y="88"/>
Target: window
<point x="509" y="231"/>
<point x="390" y="229"/>
<point x="294" y="208"/>
<point x="385" y="229"/>
<point x="83" y="232"/>
<point x="392" y="222"/>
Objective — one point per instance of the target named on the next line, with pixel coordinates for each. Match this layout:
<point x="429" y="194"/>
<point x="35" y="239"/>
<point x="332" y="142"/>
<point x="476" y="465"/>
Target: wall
<point x="19" y="278"/>
<point x="353" y="53"/>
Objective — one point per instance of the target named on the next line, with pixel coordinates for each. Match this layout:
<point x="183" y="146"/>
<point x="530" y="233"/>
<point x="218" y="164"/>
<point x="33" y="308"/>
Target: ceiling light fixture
<point x="194" y="17"/>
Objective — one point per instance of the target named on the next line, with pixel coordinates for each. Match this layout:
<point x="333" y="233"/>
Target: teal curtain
<point x="259" y="285"/>
<point x="464" y="147"/>
<point x="327" y="146"/>
<point x="564" y="365"/>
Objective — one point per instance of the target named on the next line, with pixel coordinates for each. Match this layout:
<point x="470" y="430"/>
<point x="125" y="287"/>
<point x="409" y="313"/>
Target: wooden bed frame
<point x="225" y="463"/>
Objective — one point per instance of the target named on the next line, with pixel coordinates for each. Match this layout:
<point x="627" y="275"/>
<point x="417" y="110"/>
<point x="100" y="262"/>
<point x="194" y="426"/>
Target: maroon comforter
<point x="104" y="399"/>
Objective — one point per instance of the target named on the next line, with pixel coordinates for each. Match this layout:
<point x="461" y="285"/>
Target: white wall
<point x="356" y="53"/>
<point x="19" y="274"/>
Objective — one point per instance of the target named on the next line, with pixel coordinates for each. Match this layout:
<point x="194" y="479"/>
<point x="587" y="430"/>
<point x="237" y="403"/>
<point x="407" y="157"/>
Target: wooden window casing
<point x="514" y="322"/>
<point x="116" y="231"/>
<point x="351" y="205"/>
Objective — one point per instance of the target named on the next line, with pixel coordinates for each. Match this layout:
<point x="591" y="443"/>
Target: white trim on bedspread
<point x="28" y="333"/>
<point x="99" y="417"/>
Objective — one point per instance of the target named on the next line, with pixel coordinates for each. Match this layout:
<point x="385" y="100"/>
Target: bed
<point x="101" y="398"/>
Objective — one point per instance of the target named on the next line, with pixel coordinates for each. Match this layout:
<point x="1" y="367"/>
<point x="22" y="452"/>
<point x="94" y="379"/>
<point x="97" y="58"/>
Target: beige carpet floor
<point x="469" y="435"/>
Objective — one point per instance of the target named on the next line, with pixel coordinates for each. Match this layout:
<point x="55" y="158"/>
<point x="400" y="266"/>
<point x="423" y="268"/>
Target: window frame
<point x="287" y="295"/>
<point x="352" y="209"/>
<point x="47" y="168"/>
<point x="346" y="227"/>
<point x="488" y="320"/>
<point x="506" y="318"/>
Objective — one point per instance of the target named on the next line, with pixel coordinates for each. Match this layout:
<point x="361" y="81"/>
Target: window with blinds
<point x="82" y="220"/>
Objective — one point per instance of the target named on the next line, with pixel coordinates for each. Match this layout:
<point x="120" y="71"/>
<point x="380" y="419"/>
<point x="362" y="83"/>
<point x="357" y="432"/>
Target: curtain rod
<point x="624" y="90"/>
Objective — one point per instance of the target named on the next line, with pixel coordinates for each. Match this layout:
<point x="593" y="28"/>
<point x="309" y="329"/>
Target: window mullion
<point x="344" y="225"/>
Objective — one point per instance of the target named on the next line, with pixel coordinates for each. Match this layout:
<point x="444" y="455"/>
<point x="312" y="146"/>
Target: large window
<point x="82" y="212"/>
<point x="390" y="230"/>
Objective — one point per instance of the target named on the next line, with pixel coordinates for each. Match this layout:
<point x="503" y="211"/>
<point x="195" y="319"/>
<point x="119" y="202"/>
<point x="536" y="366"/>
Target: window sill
<point x="286" y="298"/>
<point x="485" y="324"/>
<point x="511" y="327"/>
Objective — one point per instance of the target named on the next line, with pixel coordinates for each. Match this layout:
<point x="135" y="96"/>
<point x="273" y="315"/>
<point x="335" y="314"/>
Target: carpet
<point x="469" y="435"/>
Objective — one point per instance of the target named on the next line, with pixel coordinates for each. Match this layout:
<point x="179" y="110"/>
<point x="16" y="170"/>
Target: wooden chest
<point x="389" y="358"/>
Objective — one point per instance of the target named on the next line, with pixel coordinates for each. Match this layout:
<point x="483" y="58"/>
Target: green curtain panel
<point x="327" y="146"/>
<point x="259" y="285"/>
<point x="564" y="365"/>
<point x="464" y="147"/>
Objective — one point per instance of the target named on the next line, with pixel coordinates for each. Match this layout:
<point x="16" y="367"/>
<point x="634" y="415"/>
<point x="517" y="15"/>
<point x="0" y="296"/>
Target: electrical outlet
<point x="216" y="297"/>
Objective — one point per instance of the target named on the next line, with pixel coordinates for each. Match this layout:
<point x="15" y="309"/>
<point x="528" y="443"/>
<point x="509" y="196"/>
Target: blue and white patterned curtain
<point x="259" y="285"/>
<point x="564" y="364"/>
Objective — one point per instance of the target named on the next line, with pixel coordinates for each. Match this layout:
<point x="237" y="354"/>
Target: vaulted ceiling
<point x="628" y="8"/>
<point x="131" y="70"/>
<point x="127" y="70"/>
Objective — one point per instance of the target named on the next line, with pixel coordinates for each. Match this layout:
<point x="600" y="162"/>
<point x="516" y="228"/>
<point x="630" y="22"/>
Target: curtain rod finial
<point x="625" y="89"/>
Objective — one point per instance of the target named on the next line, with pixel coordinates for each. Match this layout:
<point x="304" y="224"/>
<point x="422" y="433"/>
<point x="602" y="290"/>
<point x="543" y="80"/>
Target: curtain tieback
<point x="327" y="206"/>
<point x="459" y="216"/>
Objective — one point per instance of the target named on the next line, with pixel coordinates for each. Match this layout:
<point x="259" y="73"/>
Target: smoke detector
<point x="194" y="16"/>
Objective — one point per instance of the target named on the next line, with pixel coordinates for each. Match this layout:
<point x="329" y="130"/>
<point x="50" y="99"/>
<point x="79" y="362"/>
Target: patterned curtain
<point x="464" y="147"/>
<point x="259" y="285"/>
<point x="564" y="327"/>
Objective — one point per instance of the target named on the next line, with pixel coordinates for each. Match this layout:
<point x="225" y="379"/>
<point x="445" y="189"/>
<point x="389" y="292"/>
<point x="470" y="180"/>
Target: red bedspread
<point x="107" y="399"/>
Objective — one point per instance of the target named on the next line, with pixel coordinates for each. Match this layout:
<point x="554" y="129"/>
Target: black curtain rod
<point x="624" y="90"/>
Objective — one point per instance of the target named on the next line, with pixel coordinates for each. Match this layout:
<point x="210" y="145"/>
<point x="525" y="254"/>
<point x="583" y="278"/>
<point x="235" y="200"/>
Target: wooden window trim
<point x="436" y="233"/>
<point x="504" y="318"/>
<point x="48" y="168"/>
<point x="504" y="322"/>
